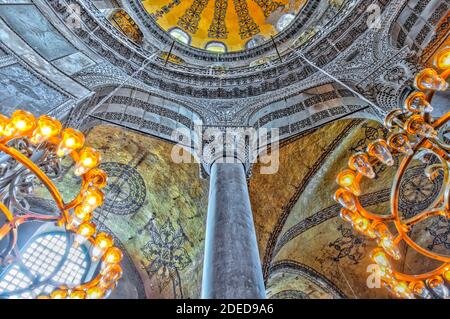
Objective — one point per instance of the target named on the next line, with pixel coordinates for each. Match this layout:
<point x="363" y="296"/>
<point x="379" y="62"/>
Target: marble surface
<point x="20" y="89"/>
<point x="34" y="28"/>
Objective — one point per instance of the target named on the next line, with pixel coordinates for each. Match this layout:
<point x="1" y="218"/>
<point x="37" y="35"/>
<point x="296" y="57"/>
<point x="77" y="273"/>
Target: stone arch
<point x="310" y="108"/>
<point x="139" y="110"/>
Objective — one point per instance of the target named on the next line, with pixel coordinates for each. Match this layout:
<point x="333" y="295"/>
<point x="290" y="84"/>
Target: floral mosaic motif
<point x="247" y="27"/>
<point x="218" y="28"/>
<point x="165" y="9"/>
<point x="166" y="254"/>
<point x="348" y="245"/>
<point x="268" y="6"/>
<point x="190" y="19"/>
<point x="439" y="230"/>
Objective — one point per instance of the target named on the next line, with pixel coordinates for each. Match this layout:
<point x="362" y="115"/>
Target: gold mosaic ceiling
<point x="231" y="22"/>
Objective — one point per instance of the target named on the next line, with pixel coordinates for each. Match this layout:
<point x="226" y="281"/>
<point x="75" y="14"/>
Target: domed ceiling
<point x="232" y="23"/>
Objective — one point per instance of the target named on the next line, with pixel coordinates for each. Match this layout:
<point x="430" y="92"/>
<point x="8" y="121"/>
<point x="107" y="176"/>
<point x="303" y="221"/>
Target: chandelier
<point x="31" y="154"/>
<point x="413" y="135"/>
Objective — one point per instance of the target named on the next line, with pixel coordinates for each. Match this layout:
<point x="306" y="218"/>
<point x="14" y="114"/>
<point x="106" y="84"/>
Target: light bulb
<point x="110" y="275"/>
<point x="112" y="255"/>
<point x="92" y="198"/>
<point x="417" y="102"/>
<point x="77" y="294"/>
<point x="47" y="127"/>
<point x="429" y="79"/>
<point x="347" y="179"/>
<point x="94" y="293"/>
<point x="102" y="242"/>
<point x="380" y="150"/>
<point x="417" y="126"/>
<point x="361" y="224"/>
<point x="347" y="215"/>
<point x="346" y="199"/>
<point x="360" y="162"/>
<point x="88" y="158"/>
<point x="401" y="290"/>
<point x="380" y="258"/>
<point x="400" y="143"/>
<point x="84" y="232"/>
<point x="97" y="177"/>
<point x="71" y="140"/>
<point x="21" y="122"/>
<point x="59" y="294"/>
<point x="447" y="275"/>
<point x="3" y="124"/>
<point x="443" y="59"/>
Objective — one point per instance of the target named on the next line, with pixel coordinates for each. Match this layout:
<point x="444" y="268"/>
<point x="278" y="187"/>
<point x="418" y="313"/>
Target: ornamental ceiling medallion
<point x="232" y="22"/>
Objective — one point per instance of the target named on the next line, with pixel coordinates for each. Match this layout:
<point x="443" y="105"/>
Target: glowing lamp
<point x="111" y="274"/>
<point x="429" y="79"/>
<point x="417" y="102"/>
<point x="21" y="121"/>
<point x="102" y="242"/>
<point x="84" y="232"/>
<point x="112" y="255"/>
<point x="416" y="125"/>
<point x="94" y="293"/>
<point x="347" y="180"/>
<point x="47" y="127"/>
<point x="3" y="124"/>
<point x="347" y="215"/>
<point x="447" y="275"/>
<point x="89" y="158"/>
<point x="97" y="177"/>
<point x="400" y="143"/>
<point x="92" y="199"/>
<point x="59" y="294"/>
<point x="442" y="60"/>
<point x="71" y="140"/>
<point x="401" y="289"/>
<point x="77" y="294"/>
<point x="346" y="199"/>
<point x="380" y="258"/>
<point x="380" y="150"/>
<point x="360" y="162"/>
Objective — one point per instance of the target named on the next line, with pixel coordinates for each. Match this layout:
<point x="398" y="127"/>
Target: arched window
<point x="217" y="47"/>
<point x="180" y="35"/>
<point x="255" y="41"/>
<point x="284" y="21"/>
<point x="45" y="266"/>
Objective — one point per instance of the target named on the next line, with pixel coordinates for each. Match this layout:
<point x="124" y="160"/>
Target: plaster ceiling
<point x="232" y="22"/>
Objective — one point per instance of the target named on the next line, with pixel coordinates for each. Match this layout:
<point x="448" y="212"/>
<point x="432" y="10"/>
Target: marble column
<point x="232" y="267"/>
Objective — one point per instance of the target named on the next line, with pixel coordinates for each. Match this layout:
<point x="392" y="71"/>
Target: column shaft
<point x="232" y="267"/>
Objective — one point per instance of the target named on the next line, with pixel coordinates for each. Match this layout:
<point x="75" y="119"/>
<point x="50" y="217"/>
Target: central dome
<point x="223" y="25"/>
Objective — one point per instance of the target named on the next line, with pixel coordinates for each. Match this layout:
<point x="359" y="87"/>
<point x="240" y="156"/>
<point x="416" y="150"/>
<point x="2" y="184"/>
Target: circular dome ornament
<point x="126" y="189"/>
<point x="413" y="135"/>
<point x="31" y="152"/>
